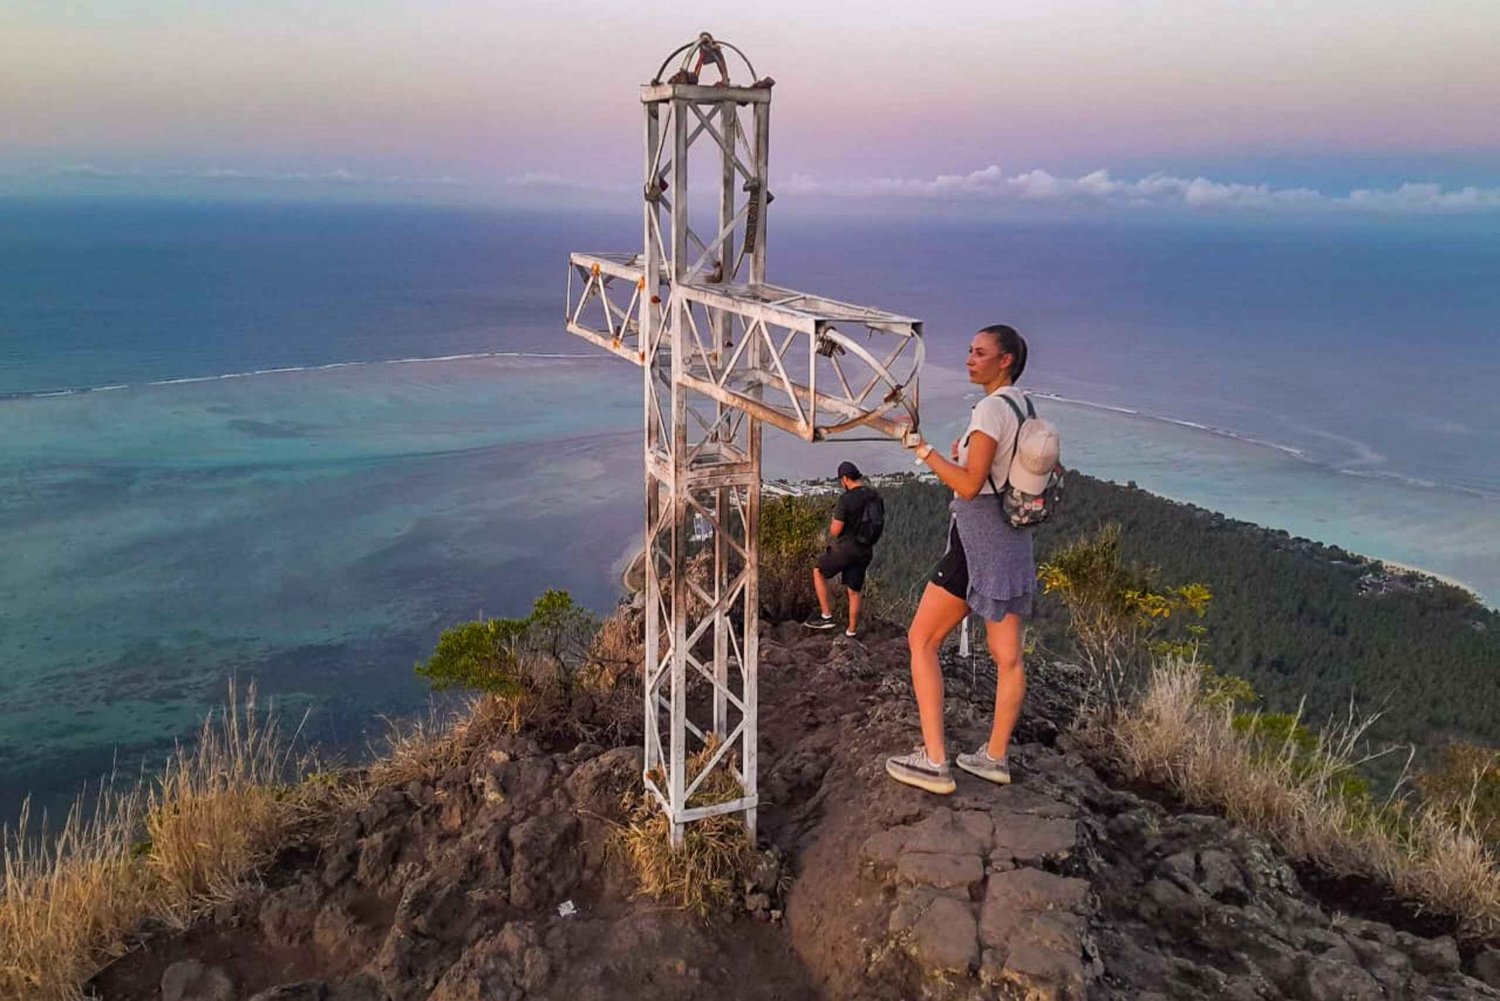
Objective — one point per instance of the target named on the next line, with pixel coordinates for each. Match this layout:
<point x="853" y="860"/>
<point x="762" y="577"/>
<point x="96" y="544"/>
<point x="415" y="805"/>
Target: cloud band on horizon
<point x="1100" y="188"/>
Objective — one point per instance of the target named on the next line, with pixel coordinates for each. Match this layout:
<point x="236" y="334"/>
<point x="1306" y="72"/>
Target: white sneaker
<point x="916" y="769"/>
<point x="996" y="770"/>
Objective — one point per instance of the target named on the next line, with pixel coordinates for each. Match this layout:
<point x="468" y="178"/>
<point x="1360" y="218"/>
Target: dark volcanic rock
<point x="306" y="990"/>
<point x="286" y="917"/>
<point x="1059" y="886"/>
<point x="1197" y="908"/>
<point x="1487" y="966"/>
<point x="190" y="980"/>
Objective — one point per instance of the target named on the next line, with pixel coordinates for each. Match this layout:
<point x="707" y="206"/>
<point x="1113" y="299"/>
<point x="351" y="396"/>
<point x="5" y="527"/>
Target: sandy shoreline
<point x="1396" y="567"/>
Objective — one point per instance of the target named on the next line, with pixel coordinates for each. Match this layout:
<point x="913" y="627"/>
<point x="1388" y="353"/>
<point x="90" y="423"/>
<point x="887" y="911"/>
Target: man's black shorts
<point x="847" y="558"/>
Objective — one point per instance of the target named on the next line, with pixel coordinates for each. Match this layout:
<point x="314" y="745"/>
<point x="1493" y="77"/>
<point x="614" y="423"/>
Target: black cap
<point x="849" y="470"/>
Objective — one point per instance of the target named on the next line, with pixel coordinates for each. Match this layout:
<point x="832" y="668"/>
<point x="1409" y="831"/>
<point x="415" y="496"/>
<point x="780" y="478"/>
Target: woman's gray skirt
<point x="999" y="559"/>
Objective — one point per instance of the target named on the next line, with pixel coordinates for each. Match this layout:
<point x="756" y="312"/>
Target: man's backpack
<point x="1020" y="508"/>
<point x="871" y="521"/>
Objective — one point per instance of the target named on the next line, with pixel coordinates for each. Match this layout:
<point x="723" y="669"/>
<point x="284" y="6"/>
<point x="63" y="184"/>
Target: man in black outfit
<point x="858" y="520"/>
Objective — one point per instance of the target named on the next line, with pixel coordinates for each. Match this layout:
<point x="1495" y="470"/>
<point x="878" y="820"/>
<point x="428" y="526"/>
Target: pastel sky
<point x="1388" y="105"/>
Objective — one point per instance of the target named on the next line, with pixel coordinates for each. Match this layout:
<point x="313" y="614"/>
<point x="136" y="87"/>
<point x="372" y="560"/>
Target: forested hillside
<point x="1288" y="614"/>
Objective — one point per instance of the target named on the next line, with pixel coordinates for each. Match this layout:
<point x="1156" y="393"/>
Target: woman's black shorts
<point x="952" y="573"/>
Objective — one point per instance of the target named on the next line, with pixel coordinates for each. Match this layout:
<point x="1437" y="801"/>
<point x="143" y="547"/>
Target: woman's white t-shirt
<point x="995" y="418"/>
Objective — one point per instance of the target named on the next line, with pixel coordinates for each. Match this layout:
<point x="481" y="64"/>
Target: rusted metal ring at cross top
<point x="706" y="48"/>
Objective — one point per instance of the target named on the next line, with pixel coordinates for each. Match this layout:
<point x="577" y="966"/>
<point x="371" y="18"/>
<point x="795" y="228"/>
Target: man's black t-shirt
<point x="851" y="511"/>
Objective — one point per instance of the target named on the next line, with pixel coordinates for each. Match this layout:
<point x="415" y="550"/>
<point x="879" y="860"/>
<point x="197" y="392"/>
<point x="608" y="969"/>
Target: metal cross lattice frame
<point x="723" y="353"/>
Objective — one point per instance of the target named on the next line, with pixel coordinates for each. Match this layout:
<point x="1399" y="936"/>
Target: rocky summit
<point x="496" y="880"/>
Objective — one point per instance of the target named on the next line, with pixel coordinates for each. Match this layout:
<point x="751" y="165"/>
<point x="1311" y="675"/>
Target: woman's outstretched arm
<point x="966" y="480"/>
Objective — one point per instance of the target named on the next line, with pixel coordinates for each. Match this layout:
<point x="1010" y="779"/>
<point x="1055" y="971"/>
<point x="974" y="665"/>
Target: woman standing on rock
<point x="988" y="566"/>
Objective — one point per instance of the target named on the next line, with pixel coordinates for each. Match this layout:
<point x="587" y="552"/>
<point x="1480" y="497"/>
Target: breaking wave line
<point x="1293" y="451"/>
<point x="1357" y="466"/>
<point x="188" y="380"/>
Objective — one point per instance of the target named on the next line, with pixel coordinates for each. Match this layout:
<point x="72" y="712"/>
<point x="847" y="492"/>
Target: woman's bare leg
<point x="937" y="614"/>
<point x="1005" y="639"/>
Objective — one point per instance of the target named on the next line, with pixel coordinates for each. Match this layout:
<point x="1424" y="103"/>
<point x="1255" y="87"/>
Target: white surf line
<point x="1417" y="481"/>
<point x="1296" y="453"/>
<point x="189" y="380"/>
<point x="1354" y="468"/>
<point x="468" y="357"/>
<point x="1089" y="403"/>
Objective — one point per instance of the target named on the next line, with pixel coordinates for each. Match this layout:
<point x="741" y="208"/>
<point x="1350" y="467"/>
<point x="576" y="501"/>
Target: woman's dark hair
<point x="1010" y="343"/>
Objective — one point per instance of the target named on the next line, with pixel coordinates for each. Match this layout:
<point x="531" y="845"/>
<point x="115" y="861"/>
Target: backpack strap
<point x="1016" y="407"/>
<point x="1020" y="419"/>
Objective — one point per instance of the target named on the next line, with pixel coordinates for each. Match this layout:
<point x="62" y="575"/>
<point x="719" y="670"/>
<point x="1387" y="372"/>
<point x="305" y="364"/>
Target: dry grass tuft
<point x="423" y="748"/>
<point x="70" y="901"/>
<point x="214" y="815"/>
<point x="1301" y="790"/>
<point x="1446" y="865"/>
<point x="414" y="749"/>
<point x="163" y="848"/>
<point x="610" y="680"/>
<point x="704" y="874"/>
<point x="616" y="653"/>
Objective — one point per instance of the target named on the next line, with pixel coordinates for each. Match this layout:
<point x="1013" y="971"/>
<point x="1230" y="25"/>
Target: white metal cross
<point x="722" y="353"/>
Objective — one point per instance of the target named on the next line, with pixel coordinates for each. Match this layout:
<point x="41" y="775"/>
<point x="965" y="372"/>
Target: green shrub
<point x="560" y="632"/>
<point x="507" y="656"/>
<point x="792" y="537"/>
<point x="1274" y="731"/>
<point x="479" y="655"/>
<point x="1119" y="616"/>
<point x="1222" y="691"/>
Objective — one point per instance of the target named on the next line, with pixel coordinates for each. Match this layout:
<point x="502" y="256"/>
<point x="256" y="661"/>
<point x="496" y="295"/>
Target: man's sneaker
<point x="819" y="621"/>
<point x="851" y="633"/>
<point x="990" y="769"/>
<point x="916" y="769"/>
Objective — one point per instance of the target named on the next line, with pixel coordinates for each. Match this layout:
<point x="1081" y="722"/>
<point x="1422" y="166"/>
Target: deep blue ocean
<point x="294" y="442"/>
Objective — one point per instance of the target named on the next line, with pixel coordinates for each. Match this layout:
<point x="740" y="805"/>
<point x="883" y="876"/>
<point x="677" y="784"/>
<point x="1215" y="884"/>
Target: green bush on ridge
<point x="792" y="536"/>
<point x="501" y="656"/>
<point x="1119" y="616"/>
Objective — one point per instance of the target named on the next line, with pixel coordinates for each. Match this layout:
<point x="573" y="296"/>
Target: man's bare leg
<point x="821" y="586"/>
